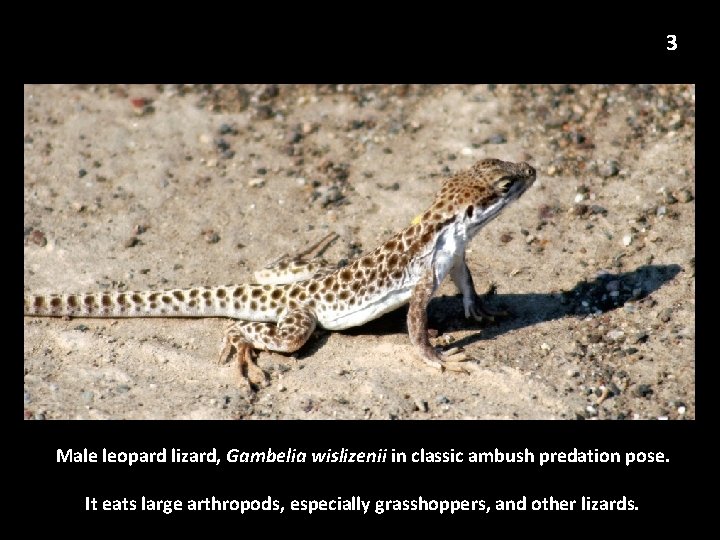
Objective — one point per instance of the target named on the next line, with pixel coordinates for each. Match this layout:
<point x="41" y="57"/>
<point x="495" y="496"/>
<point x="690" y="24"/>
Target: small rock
<point x="38" y="238"/>
<point x="684" y="195"/>
<point x="609" y="168"/>
<point x="627" y="239"/>
<point x="505" y="238"/>
<point x="572" y="372"/>
<point x="256" y="182"/>
<point x="422" y="405"/>
<point x="615" y="335"/>
<point x="122" y="388"/>
<point x="613" y="285"/>
<point x="263" y="112"/>
<point x="442" y="400"/>
<point x="643" y="390"/>
<point x="81" y="173"/>
<point x="665" y="315"/>
<point x="661" y="211"/>
<point x="227" y="129"/>
<point x="87" y="396"/>
<point x="497" y="138"/>
<point x="639" y="337"/>
<point x="211" y="237"/>
<point x="670" y="198"/>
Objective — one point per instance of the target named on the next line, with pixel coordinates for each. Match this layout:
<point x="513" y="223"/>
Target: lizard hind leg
<point x="242" y="338"/>
<point x="304" y="265"/>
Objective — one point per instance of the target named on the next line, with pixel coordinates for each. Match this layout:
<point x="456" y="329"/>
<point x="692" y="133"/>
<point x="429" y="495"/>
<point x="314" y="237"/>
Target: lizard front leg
<point x="472" y="302"/>
<point x="289" y="334"/>
<point x="417" y="323"/>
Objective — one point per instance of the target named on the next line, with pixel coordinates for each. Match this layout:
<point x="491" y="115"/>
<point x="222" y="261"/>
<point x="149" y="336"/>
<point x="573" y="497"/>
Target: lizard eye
<point x="503" y="185"/>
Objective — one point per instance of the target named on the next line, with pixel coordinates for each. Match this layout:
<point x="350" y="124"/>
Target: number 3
<point x="671" y="43"/>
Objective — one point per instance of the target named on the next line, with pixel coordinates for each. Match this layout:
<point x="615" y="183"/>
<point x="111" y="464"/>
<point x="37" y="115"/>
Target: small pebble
<point x="627" y="239"/>
<point x="572" y="372"/>
<point x="87" y="395"/>
<point x="211" y="237"/>
<point x="256" y="182"/>
<point x="497" y="138"/>
<point x="643" y="390"/>
<point x="227" y="129"/>
<point x="615" y="335"/>
<point x="422" y="405"/>
<point x="81" y="173"/>
<point x="609" y="168"/>
<point x="442" y="400"/>
<point x="665" y="315"/>
<point x="684" y="195"/>
<point x="613" y="285"/>
<point x="38" y="238"/>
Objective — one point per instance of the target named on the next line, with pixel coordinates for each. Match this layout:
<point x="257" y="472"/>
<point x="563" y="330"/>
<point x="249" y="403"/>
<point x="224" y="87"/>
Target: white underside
<point x="385" y="304"/>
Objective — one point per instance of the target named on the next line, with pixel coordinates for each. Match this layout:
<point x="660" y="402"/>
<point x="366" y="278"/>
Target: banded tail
<point x="226" y="301"/>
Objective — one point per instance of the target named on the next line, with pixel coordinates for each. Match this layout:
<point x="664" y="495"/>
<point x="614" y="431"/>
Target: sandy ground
<point x="134" y="187"/>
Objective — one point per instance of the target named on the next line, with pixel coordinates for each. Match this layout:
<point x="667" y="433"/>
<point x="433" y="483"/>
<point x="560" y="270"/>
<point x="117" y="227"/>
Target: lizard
<point x="293" y="296"/>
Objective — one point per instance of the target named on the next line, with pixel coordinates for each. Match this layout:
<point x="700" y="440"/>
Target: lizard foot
<point x="480" y="313"/>
<point x="249" y="373"/>
<point x="450" y="360"/>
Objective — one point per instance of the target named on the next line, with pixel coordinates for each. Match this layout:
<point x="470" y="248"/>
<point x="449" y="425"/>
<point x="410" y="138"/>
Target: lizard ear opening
<point x="469" y="211"/>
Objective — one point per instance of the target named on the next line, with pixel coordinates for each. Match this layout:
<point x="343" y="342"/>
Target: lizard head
<point x="473" y="197"/>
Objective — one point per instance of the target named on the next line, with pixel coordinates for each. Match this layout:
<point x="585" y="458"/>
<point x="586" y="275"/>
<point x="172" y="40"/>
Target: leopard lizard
<point x="293" y="296"/>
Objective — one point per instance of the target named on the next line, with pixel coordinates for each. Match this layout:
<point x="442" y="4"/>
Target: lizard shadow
<point x="606" y="292"/>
